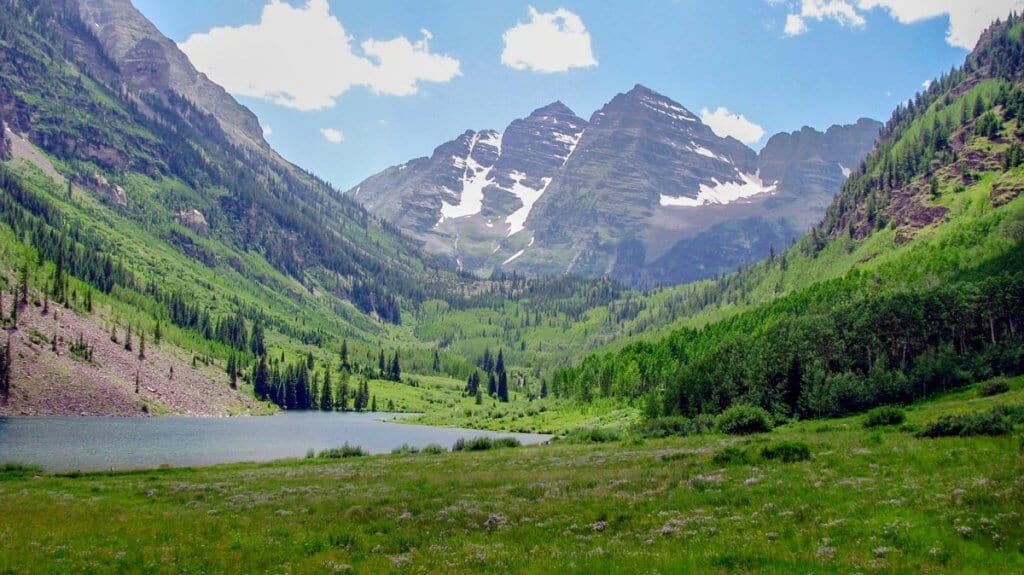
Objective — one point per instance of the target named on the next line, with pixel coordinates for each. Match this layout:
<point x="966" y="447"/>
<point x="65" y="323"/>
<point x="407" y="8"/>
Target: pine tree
<point x="326" y="401"/>
<point x="373" y="405"/>
<point x="142" y="345"/>
<point x="256" y="343"/>
<point x="345" y="365"/>
<point x="382" y="365"/>
<point x="158" y="333"/>
<point x="543" y="388"/>
<point x="24" y="284"/>
<point x="341" y="401"/>
<point x="259" y="377"/>
<point x="232" y="369"/>
<point x="437" y="362"/>
<point x="396" y="369"/>
<point x="492" y="384"/>
<point x="503" y="386"/>
<point x="128" y="338"/>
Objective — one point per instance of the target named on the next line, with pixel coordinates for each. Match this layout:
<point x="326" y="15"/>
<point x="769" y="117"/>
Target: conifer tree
<point x="382" y="365"/>
<point x="373" y="405"/>
<point x="436" y="366"/>
<point x="256" y="343"/>
<point x="158" y="333"/>
<point x="396" y="369"/>
<point x="142" y="345"/>
<point x="326" y="401"/>
<point x="128" y="338"/>
<point x="345" y="365"/>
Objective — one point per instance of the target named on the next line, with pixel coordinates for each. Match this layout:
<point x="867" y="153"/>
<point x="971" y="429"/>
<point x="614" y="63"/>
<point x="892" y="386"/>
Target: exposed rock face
<point x="151" y="63"/>
<point x="643" y="191"/>
<point x="113" y="193"/>
<point x="194" y="220"/>
<point x="476" y="191"/>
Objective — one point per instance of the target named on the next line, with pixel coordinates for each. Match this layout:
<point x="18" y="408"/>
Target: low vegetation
<point x="867" y="500"/>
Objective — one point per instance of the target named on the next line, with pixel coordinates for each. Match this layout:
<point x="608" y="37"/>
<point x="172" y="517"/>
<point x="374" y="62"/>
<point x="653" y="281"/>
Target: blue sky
<point x="830" y="67"/>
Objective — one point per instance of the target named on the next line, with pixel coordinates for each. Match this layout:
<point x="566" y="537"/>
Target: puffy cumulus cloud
<point x="967" y="18"/>
<point x="301" y="57"/>
<point x="549" y="42"/>
<point x="838" y="10"/>
<point x="333" y="136"/>
<point x="725" y="123"/>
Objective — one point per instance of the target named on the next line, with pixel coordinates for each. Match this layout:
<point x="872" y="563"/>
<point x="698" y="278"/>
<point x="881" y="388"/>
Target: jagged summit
<point x="643" y="191"/>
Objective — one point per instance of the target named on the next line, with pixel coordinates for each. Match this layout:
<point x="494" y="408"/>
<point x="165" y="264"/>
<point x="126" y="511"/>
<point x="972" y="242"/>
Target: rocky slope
<point x="643" y="191"/>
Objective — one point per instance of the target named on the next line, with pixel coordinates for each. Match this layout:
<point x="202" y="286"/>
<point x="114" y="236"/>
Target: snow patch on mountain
<point x="721" y="193"/>
<point x="516" y="221"/>
<point x="475" y="178"/>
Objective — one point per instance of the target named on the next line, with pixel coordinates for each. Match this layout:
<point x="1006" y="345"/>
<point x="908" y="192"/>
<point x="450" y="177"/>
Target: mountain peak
<point x="556" y="108"/>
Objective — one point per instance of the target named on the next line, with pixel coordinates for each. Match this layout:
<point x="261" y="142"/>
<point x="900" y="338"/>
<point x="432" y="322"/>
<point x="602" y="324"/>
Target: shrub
<point x="730" y="456"/>
<point x="484" y="443"/>
<point x="743" y="419"/>
<point x="991" y="422"/>
<point x="787" y="451"/>
<point x="664" y="427"/>
<point x="885" y="415"/>
<point x="343" y="452"/>
<point x="433" y="449"/>
<point x="994" y="387"/>
<point x="405" y="449"/>
<point x="505" y="442"/>
<point x="592" y="435"/>
<point x="18" y="470"/>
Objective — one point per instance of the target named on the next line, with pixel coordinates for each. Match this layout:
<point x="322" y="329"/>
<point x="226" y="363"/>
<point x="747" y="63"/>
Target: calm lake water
<point x="100" y="443"/>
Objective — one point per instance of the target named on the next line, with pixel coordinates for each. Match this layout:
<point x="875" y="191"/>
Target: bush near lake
<point x="743" y="419"/>
<point x="343" y="452"/>
<point x="993" y="387"/>
<point x="787" y="451"/>
<point x="593" y="435"/>
<point x="484" y="443"/>
<point x="885" y="415"/>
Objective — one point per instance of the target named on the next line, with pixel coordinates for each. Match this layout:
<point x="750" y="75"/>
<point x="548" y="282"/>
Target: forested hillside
<point x="912" y="284"/>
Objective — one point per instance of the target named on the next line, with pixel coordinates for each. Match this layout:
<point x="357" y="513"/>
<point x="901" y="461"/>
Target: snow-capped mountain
<point x="643" y="191"/>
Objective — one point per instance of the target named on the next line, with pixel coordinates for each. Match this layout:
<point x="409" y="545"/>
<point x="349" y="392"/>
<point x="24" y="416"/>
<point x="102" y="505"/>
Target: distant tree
<point x="326" y="401"/>
<point x="492" y="384"/>
<point x="158" y="332"/>
<point x="503" y="386"/>
<point x="436" y="366"/>
<point x="382" y="365"/>
<point x="395" y="372"/>
<point x="341" y="400"/>
<point x="142" y="345"/>
<point x="128" y="338"/>
<point x="260" y="377"/>
<point x="232" y="370"/>
<point x="23" y="284"/>
<point x="543" y="388"/>
<point x="256" y="345"/>
<point x="345" y="365"/>
<point x="373" y="405"/>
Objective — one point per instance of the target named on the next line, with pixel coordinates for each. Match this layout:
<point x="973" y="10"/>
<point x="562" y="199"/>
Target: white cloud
<point x="333" y="136"/>
<point x="839" y="10"/>
<point x="549" y="42"/>
<point x="724" y="123"/>
<point x="302" y="58"/>
<point x="267" y="131"/>
<point x="967" y="18"/>
<point x="794" y="25"/>
<point x="926" y="84"/>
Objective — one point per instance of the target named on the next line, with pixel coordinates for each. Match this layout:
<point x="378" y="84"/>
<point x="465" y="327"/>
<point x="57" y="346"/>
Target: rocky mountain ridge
<point x="643" y="191"/>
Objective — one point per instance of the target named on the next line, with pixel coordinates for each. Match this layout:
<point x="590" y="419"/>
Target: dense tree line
<point x="829" y="350"/>
<point x="493" y="368"/>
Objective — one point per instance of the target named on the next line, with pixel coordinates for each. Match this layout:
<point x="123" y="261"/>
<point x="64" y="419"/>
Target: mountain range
<point x="643" y="192"/>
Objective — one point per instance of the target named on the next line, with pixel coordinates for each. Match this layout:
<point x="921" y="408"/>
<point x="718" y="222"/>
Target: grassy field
<point x="871" y="501"/>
